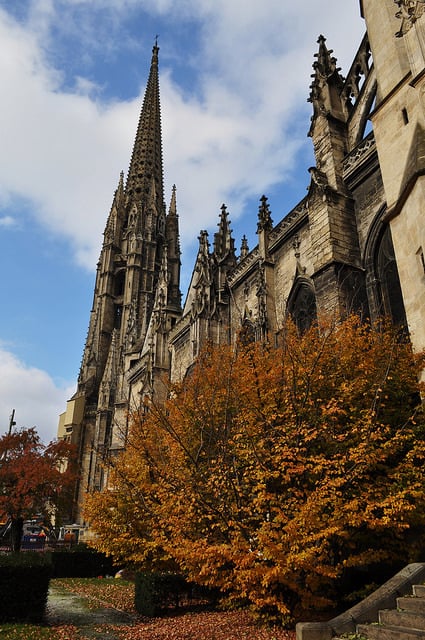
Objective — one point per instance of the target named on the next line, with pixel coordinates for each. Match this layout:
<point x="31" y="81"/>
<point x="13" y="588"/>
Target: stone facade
<point x="354" y="243"/>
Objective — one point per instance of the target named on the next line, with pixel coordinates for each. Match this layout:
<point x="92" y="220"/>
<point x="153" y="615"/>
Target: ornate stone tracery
<point x="261" y="293"/>
<point x="409" y="11"/>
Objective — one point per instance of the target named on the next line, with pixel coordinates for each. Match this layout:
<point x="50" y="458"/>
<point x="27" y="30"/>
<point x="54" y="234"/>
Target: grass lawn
<point x="119" y="594"/>
<point x="28" y="632"/>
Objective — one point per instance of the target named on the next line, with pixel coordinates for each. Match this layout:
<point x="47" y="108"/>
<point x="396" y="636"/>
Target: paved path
<point x="64" y="607"/>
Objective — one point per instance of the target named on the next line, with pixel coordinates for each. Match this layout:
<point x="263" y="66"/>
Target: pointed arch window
<point x="389" y="290"/>
<point x="302" y="305"/>
<point x="247" y="332"/>
<point x="119" y="283"/>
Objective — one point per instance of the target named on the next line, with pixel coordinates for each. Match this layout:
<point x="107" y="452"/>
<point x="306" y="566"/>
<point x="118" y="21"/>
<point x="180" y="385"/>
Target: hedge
<point x="81" y="564"/>
<point x="24" y="586"/>
<point x="156" y="592"/>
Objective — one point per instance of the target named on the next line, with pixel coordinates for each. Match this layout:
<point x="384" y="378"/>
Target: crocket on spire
<point x="146" y="159"/>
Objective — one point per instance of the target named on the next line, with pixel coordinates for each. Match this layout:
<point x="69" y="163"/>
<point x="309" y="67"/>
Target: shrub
<point x="156" y="591"/>
<point x="24" y="586"/>
<point x="81" y="564"/>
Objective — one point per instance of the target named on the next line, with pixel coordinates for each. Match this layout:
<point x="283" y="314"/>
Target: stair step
<point x="411" y="603"/>
<point x="397" y="618"/>
<point x="419" y="590"/>
<point x="384" y="632"/>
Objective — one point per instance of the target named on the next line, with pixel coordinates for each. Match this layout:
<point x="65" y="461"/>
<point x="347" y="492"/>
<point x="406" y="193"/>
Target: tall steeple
<point x="146" y="161"/>
<point x="139" y="256"/>
<point x="144" y="216"/>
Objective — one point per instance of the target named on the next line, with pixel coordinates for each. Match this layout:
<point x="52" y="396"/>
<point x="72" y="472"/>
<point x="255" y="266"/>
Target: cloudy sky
<point x="234" y="78"/>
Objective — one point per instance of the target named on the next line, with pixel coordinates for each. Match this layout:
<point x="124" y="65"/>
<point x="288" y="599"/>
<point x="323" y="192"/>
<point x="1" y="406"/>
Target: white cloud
<point x="37" y="400"/>
<point x="63" y="151"/>
<point x="230" y="135"/>
<point x="7" y="221"/>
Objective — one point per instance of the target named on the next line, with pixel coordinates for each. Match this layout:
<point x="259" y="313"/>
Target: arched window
<point x="247" y="332"/>
<point x="302" y="305"/>
<point x="119" y="283"/>
<point x="389" y="290"/>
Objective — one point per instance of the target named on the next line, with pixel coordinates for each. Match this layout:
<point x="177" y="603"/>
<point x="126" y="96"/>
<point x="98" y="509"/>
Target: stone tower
<point x="337" y="274"/>
<point x="397" y="36"/>
<point x="137" y="286"/>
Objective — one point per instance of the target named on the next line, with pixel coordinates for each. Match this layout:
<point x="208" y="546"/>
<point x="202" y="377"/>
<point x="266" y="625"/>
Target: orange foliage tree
<point x="35" y="479"/>
<point x="275" y="473"/>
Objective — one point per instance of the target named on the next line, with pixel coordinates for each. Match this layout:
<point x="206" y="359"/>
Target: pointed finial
<point x="325" y="65"/>
<point x="172" y="211"/>
<point x="244" y="247"/>
<point x="203" y="242"/>
<point x="265" y="222"/>
<point x="223" y="241"/>
<point x="223" y="224"/>
<point x="326" y="73"/>
<point x="155" y="50"/>
<point x="155" y="47"/>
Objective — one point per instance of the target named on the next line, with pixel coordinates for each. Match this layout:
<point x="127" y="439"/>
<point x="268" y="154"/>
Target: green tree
<point x="272" y="473"/>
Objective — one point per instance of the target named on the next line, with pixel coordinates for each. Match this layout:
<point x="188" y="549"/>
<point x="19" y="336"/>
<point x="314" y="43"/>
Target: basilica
<point x="354" y="243"/>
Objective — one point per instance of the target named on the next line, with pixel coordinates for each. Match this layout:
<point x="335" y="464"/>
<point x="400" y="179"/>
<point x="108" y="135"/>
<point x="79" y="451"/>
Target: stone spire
<point x="328" y="128"/>
<point x="224" y="244"/>
<point x="172" y="211"/>
<point x="244" y="247"/>
<point x="113" y="227"/>
<point x="137" y="287"/>
<point x="172" y="244"/>
<point x="265" y="222"/>
<point x="264" y="226"/>
<point x="327" y="84"/>
<point x="146" y="159"/>
<point x="144" y="227"/>
<point x="224" y="254"/>
<point x="203" y="262"/>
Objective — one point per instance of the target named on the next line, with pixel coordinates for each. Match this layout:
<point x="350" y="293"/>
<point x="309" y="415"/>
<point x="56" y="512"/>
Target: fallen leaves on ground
<point x="65" y="632"/>
<point x="102" y="592"/>
<point x="205" y="625"/>
<point x="208" y="625"/>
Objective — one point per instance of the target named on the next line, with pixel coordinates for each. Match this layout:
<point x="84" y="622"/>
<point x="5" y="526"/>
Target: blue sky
<point x="234" y="78"/>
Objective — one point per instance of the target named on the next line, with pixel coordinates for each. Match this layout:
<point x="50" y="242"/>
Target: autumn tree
<point x="273" y="473"/>
<point x="35" y="479"/>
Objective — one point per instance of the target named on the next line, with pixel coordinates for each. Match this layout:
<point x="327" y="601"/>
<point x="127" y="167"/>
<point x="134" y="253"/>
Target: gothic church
<point x="355" y="242"/>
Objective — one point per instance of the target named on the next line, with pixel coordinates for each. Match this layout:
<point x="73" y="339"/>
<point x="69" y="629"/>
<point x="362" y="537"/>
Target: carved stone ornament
<point x="131" y="334"/>
<point x="409" y="11"/>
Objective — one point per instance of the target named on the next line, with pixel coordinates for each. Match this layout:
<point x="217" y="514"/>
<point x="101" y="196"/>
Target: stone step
<point x="411" y="603"/>
<point x="397" y="618"/>
<point x="385" y="632"/>
<point x="419" y="590"/>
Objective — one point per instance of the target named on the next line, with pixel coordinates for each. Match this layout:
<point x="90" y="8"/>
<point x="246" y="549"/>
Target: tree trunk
<point x="16" y="531"/>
